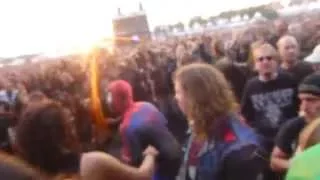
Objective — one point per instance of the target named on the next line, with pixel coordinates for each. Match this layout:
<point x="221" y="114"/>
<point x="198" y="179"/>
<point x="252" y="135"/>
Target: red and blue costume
<point x="142" y="125"/>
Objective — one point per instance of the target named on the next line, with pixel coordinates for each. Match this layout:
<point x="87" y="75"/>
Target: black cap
<point x="310" y="84"/>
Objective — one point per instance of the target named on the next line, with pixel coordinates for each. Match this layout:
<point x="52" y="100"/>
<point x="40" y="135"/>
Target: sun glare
<point x="56" y="27"/>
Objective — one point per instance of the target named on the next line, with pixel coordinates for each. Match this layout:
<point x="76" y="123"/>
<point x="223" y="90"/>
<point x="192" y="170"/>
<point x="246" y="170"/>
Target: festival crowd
<point x="241" y="103"/>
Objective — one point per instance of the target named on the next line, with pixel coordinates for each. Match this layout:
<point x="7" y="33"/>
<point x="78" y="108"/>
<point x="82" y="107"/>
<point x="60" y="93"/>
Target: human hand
<point x="152" y="151"/>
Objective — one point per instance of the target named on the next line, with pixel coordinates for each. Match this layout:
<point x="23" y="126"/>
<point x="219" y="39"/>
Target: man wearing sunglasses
<point x="269" y="99"/>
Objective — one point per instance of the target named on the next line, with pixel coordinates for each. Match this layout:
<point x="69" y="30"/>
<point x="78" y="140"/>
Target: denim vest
<point x="213" y="154"/>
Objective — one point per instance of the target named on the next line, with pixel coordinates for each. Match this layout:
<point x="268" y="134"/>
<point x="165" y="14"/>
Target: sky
<point x="55" y="26"/>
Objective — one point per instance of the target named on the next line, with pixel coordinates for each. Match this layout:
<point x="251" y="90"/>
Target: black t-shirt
<point x="288" y="135"/>
<point x="300" y="70"/>
<point x="243" y="164"/>
<point x="267" y="105"/>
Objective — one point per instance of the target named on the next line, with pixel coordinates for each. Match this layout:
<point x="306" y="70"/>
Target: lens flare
<point x="96" y="108"/>
<point x="94" y="56"/>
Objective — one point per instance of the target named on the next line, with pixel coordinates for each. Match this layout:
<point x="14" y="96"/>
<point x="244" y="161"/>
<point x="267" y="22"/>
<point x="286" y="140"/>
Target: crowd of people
<point x="231" y="104"/>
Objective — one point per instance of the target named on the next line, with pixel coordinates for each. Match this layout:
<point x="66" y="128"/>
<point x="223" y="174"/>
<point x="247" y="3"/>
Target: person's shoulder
<point x="147" y="110"/>
<point x="303" y="68"/>
<point x="146" y="107"/>
<point x="294" y="122"/>
<point x="287" y="77"/>
<point x="304" y="64"/>
<point x="98" y="165"/>
<point x="252" y="84"/>
<point x="291" y="127"/>
<point x="94" y="155"/>
<point x="253" y="81"/>
<point x="93" y="160"/>
<point x="146" y="104"/>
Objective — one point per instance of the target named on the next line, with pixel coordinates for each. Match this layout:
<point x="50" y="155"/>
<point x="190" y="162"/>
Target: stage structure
<point x="132" y="28"/>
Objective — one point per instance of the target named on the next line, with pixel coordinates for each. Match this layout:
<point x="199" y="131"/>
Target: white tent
<point x="236" y="18"/>
<point x="245" y="17"/>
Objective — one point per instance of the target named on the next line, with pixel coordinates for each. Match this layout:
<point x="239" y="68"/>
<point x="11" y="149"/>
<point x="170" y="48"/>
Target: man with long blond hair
<point x="221" y="146"/>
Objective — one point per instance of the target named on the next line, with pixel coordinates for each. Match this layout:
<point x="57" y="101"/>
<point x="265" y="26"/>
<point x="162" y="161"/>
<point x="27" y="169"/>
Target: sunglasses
<point x="268" y="58"/>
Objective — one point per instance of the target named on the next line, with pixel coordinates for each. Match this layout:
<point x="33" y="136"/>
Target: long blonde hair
<point x="209" y="96"/>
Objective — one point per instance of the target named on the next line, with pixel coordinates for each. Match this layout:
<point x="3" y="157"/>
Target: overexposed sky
<point x="32" y="26"/>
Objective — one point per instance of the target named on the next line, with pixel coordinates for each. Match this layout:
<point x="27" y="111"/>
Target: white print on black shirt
<point x="270" y="104"/>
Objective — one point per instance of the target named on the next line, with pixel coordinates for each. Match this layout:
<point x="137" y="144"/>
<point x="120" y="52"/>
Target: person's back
<point x="147" y="126"/>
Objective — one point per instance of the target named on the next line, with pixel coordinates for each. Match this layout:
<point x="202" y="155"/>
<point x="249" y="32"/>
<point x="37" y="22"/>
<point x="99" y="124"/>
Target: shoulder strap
<point x="184" y="167"/>
<point x="245" y="136"/>
<point x="243" y="132"/>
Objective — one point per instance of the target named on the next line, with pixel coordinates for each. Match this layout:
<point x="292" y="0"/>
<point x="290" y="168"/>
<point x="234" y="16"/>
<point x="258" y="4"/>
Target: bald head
<point x="289" y="49"/>
<point x="287" y="39"/>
